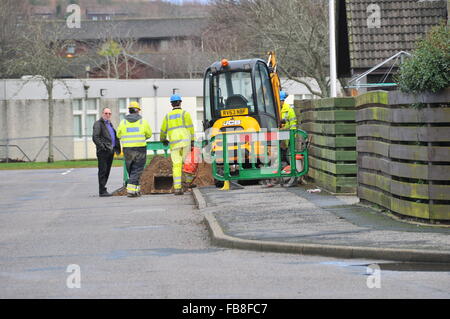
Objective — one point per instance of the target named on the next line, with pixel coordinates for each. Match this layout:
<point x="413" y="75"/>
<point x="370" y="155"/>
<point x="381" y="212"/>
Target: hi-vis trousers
<point x="178" y="156"/>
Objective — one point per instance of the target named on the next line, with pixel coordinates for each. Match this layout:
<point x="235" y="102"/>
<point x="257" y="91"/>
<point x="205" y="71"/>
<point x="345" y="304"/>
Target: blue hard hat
<point x="175" y="97"/>
<point x="283" y="95"/>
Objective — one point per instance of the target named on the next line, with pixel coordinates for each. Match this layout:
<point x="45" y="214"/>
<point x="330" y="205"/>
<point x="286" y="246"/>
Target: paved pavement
<point x="293" y="220"/>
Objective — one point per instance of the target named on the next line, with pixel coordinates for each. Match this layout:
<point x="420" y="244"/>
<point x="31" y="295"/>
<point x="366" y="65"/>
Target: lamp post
<point x="6" y="116"/>
<point x="86" y="88"/>
<point x="155" y="105"/>
<point x="332" y="32"/>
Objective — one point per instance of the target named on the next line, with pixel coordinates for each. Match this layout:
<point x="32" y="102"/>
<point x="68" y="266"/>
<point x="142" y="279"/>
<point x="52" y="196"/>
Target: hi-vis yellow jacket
<point x="177" y="128"/>
<point x="133" y="131"/>
<point x="288" y="114"/>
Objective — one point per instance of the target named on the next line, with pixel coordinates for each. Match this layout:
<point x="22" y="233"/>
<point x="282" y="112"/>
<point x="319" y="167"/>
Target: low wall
<point x="332" y="154"/>
<point x="403" y="147"/>
<point x="24" y="128"/>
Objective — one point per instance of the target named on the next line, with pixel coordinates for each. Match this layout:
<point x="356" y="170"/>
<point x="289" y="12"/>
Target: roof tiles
<point x="391" y="26"/>
<point x="137" y="28"/>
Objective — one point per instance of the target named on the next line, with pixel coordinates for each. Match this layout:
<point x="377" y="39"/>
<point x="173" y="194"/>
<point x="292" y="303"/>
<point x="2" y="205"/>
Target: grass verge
<point x="118" y="162"/>
<point x="56" y="165"/>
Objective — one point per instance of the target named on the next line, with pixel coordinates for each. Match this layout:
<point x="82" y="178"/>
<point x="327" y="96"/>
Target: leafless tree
<point x="129" y="48"/>
<point x="295" y="29"/>
<point x="117" y="62"/>
<point x="13" y="13"/>
<point x="185" y="58"/>
<point x="111" y="55"/>
<point x="39" y="53"/>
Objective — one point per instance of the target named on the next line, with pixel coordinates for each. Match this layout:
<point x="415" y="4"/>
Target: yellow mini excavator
<point x="241" y="96"/>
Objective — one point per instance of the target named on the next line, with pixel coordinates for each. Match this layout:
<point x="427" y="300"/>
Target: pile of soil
<point x="161" y="167"/>
<point x="204" y="175"/>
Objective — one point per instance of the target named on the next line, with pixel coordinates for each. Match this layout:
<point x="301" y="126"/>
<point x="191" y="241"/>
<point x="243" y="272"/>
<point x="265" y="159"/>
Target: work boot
<point x="105" y="194"/>
<point x="178" y="192"/>
<point x="292" y="182"/>
<point x="268" y="183"/>
<point x="188" y="187"/>
<point x="132" y="194"/>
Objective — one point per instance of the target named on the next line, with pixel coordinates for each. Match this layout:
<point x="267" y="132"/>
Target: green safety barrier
<point x="151" y="146"/>
<point x="249" y="164"/>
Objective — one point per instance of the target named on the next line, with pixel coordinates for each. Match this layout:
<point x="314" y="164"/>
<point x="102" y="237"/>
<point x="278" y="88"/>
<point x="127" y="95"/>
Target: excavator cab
<point x="242" y="114"/>
<point x="238" y="96"/>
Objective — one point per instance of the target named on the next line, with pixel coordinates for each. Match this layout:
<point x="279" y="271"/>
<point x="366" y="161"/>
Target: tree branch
<point x="305" y="83"/>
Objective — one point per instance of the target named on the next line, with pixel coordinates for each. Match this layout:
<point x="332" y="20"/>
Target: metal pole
<point x="84" y="101"/>
<point x="155" y="102"/>
<point x="6" y="122"/>
<point x="332" y="31"/>
<point x="359" y="77"/>
<point x="85" y="130"/>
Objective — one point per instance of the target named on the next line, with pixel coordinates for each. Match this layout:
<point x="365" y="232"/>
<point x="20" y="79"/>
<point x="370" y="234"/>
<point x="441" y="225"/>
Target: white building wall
<point x="155" y="109"/>
<point x="21" y="98"/>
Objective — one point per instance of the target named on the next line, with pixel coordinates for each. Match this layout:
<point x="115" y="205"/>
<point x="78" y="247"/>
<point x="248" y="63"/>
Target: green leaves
<point x="429" y="67"/>
<point x="111" y="49"/>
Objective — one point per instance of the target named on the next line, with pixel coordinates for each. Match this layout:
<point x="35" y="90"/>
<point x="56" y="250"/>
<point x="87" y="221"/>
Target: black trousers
<point x="135" y="159"/>
<point x="105" y="159"/>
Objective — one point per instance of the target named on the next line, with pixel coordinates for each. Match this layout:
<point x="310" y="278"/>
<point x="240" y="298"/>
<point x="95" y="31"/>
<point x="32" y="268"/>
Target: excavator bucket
<point x="157" y="175"/>
<point x="162" y="184"/>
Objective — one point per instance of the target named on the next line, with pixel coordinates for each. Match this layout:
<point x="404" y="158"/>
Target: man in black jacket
<point x="106" y="141"/>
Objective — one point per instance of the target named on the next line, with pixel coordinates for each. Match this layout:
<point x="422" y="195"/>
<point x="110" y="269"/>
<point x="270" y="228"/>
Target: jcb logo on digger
<point x="231" y="122"/>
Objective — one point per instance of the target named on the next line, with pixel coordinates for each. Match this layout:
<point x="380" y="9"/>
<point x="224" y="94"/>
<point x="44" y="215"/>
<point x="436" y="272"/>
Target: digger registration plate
<point x="234" y="112"/>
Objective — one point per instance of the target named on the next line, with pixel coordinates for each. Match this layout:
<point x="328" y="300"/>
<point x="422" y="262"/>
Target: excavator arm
<point x="275" y="80"/>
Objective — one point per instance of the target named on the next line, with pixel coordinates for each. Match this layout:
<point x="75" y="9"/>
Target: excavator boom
<point x="275" y="80"/>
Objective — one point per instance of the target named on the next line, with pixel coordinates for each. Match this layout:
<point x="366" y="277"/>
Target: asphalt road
<point x="58" y="239"/>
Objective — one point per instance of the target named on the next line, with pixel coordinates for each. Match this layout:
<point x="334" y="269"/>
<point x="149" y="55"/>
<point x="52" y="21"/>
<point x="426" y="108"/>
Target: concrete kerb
<point x="199" y="199"/>
<point x="219" y="238"/>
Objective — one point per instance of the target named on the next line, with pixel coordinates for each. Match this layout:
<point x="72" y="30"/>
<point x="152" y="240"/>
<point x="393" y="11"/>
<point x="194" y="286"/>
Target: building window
<point x="85" y="113"/>
<point x="77" y="127"/>
<point x="123" y="105"/>
<point x="122" y="108"/>
<point x="70" y="49"/>
<point x="77" y="105"/>
<point x="163" y="45"/>
<point x="91" y="104"/>
<point x="90" y="120"/>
